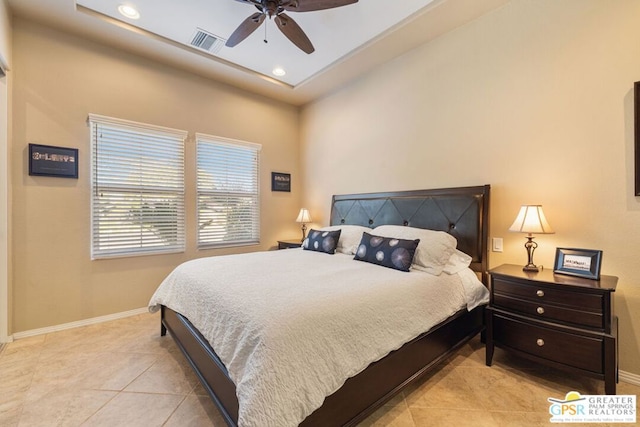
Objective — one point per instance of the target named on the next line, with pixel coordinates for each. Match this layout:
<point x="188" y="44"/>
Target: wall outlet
<point x="496" y="244"/>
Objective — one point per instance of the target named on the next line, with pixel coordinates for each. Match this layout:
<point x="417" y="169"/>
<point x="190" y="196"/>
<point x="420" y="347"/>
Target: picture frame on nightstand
<point x="578" y="262"/>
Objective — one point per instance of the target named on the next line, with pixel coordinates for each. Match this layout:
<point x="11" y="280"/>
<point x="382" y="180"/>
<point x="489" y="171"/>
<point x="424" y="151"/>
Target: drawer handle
<point x="540" y="293"/>
<point x="540" y="342"/>
<point x="540" y="310"/>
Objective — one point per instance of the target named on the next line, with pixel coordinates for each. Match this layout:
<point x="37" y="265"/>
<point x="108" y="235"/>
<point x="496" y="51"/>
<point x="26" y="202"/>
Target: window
<point x="227" y="192"/>
<point x="137" y="188"/>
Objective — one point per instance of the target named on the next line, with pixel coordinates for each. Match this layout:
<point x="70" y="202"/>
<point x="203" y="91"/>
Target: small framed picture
<point x="46" y="160"/>
<point x="578" y="262"/>
<point x="280" y="181"/>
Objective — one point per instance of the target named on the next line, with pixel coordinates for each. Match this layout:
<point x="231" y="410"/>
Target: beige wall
<point x="59" y="80"/>
<point x="535" y="99"/>
<point x="5" y="190"/>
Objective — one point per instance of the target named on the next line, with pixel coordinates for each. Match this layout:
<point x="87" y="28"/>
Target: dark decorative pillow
<point x="322" y="241"/>
<point x="387" y="251"/>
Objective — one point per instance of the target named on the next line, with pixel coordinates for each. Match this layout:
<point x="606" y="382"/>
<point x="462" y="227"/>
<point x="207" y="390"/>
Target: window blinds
<point x="227" y="192"/>
<point x="137" y="188"/>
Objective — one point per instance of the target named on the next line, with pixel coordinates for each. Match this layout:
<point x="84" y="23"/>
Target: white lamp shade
<point x="303" y="216"/>
<point x="531" y="219"/>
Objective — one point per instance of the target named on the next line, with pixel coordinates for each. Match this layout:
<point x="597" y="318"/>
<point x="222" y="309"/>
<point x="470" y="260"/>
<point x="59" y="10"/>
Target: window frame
<point x="143" y="192"/>
<point x="201" y="243"/>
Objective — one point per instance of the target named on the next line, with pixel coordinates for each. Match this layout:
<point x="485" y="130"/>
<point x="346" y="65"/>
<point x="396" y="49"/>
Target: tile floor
<point x="122" y="373"/>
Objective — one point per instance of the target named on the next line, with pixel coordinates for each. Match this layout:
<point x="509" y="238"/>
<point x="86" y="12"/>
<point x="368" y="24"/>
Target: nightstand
<point x="561" y="321"/>
<point x="289" y="244"/>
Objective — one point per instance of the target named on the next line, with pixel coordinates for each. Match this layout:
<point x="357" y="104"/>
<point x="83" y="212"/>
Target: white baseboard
<point x="86" y="322"/>
<point x="628" y="377"/>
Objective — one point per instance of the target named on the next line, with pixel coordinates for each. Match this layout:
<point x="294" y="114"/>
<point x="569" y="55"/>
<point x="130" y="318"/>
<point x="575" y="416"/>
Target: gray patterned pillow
<point x="322" y="241"/>
<point x="387" y="251"/>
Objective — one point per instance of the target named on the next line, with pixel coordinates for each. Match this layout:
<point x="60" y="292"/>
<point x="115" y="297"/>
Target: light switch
<point x="496" y="244"/>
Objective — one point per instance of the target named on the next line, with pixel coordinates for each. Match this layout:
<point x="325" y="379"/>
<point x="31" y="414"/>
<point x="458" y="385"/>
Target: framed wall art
<point x="578" y="262"/>
<point x="280" y="181"/>
<point x="47" y="160"/>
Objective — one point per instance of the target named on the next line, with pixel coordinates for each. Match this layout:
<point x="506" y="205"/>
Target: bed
<point x="460" y="212"/>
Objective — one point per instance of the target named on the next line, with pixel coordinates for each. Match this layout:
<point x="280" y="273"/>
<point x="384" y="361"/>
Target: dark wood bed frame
<point x="462" y="212"/>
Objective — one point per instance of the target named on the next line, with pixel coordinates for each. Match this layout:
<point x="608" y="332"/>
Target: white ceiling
<point x="348" y="40"/>
<point x="334" y="32"/>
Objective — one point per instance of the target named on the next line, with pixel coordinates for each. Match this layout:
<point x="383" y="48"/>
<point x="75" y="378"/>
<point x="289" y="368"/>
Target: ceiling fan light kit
<point x="275" y="9"/>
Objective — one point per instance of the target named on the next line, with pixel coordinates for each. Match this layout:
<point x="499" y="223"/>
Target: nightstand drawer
<point x="578" y="351"/>
<point x="548" y="294"/>
<point x="544" y="311"/>
<point x="289" y="244"/>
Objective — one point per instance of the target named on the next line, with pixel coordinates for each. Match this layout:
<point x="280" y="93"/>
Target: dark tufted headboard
<point x="462" y="212"/>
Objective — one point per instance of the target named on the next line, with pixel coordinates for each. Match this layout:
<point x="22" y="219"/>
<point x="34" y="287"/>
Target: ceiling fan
<point x="276" y="8"/>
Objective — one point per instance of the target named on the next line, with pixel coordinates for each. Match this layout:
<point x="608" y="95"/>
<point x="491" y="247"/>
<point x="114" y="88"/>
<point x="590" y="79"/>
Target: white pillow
<point x="350" y="237"/>
<point x="458" y="262"/>
<point x="434" y="250"/>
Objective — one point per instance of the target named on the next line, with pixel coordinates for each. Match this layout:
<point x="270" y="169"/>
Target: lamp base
<point x="531" y="246"/>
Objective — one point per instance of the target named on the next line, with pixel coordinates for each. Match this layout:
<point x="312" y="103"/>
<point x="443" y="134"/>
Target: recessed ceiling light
<point x="128" y="11"/>
<point x="279" y="71"/>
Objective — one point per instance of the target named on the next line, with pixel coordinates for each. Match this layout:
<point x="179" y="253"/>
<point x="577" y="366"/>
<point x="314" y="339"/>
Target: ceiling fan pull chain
<point x="265" y="33"/>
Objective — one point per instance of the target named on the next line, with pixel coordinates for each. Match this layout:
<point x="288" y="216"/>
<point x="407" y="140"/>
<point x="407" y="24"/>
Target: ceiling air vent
<point x="207" y="41"/>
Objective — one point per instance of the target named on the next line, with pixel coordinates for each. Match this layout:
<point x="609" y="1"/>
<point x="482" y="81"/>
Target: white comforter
<point x="291" y="326"/>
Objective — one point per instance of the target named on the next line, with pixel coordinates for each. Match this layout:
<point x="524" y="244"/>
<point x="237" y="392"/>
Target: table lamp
<point x="531" y="220"/>
<point x="304" y="217"/>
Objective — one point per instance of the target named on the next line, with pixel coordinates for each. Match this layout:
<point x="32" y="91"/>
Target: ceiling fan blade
<point x="254" y="2"/>
<point x="311" y="5"/>
<point x="245" y="29"/>
<point x="294" y="33"/>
